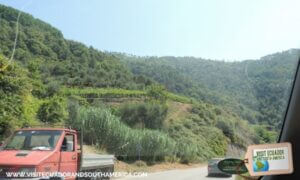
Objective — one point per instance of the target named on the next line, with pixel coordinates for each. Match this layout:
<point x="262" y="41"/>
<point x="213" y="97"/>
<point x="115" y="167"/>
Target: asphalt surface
<point x="183" y="174"/>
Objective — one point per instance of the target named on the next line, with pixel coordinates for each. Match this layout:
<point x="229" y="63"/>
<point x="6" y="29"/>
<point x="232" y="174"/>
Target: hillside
<point x="59" y="60"/>
<point x="198" y="130"/>
<point x="257" y="90"/>
<point x="147" y="108"/>
<point x="201" y="132"/>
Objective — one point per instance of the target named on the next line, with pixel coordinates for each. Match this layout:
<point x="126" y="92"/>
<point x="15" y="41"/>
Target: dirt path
<point x="178" y="110"/>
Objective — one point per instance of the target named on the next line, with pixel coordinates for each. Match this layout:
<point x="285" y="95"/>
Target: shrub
<point x="156" y="92"/>
<point x="53" y="88"/>
<point x="227" y="129"/>
<point x="264" y="135"/>
<point x="149" y="115"/>
<point x="197" y="142"/>
<point x="52" y="111"/>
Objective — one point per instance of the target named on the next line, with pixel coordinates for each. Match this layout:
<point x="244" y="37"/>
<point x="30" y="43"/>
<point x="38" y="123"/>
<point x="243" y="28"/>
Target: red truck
<point x="51" y="153"/>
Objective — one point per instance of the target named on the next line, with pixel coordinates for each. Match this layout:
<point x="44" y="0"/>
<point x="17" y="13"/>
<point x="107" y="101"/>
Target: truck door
<point x="68" y="162"/>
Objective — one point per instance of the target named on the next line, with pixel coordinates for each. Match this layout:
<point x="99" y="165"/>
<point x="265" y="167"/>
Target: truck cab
<point x="46" y="150"/>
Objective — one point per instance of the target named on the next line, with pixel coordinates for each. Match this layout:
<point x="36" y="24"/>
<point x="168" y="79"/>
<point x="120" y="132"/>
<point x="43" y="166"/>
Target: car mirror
<point x="232" y="166"/>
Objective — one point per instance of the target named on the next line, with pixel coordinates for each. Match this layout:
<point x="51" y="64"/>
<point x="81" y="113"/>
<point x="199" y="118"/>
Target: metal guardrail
<point x="96" y="161"/>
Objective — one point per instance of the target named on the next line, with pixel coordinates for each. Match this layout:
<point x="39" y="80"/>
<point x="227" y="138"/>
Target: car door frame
<point x="68" y="159"/>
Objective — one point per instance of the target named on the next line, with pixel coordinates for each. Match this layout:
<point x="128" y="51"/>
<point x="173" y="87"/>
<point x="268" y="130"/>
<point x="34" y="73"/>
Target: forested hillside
<point x="255" y="89"/>
<point x="150" y="108"/>
<point x="59" y="60"/>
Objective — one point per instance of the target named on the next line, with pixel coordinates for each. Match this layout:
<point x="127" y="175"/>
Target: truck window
<point x="68" y="143"/>
<point x="17" y="142"/>
<point x="42" y="140"/>
<point x="34" y="140"/>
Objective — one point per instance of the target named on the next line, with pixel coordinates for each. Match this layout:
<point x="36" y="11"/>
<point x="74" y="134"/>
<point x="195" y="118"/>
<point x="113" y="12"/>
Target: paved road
<point x="185" y="174"/>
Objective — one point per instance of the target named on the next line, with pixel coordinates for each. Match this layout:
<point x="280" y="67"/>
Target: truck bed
<point x="96" y="161"/>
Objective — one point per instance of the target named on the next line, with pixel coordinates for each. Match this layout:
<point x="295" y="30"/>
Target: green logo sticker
<point x="232" y="166"/>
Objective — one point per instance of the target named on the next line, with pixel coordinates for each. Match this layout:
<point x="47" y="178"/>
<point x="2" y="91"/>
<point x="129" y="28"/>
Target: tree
<point x="157" y="93"/>
<point x="14" y="88"/>
<point x="52" y="111"/>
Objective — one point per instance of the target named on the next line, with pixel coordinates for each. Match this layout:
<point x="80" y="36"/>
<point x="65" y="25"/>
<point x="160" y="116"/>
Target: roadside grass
<point x="106" y="130"/>
<point x="185" y="143"/>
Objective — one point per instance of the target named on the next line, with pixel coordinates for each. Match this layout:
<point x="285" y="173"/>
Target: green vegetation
<point x="52" y="111"/>
<point x="103" y="93"/>
<point x="93" y="93"/>
<point x="123" y="141"/>
<point x="146" y="115"/>
<point x="16" y="103"/>
<point x="263" y="135"/>
<point x="257" y="91"/>
<point x="149" y="145"/>
<point x="63" y="61"/>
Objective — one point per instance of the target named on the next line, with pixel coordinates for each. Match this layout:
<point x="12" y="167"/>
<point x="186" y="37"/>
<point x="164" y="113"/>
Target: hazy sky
<point x="216" y="29"/>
